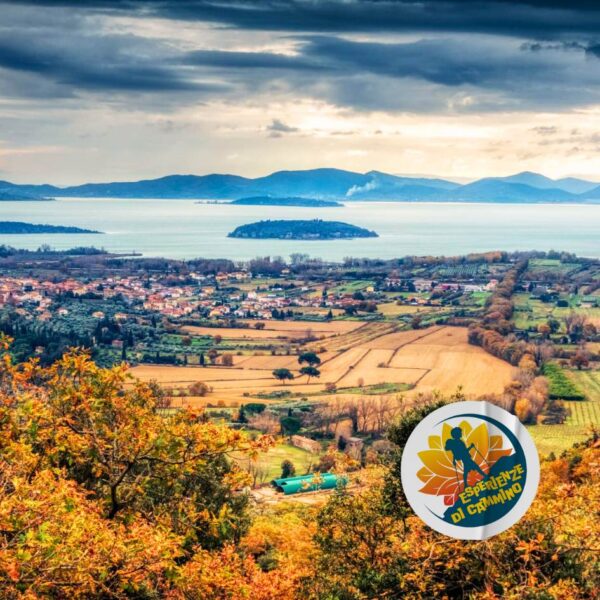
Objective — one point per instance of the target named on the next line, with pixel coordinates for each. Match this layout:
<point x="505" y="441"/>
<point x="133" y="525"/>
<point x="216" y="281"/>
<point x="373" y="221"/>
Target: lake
<point x="185" y="229"/>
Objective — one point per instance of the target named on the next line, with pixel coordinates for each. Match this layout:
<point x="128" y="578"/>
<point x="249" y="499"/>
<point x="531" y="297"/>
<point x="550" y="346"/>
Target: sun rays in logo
<point x="444" y="478"/>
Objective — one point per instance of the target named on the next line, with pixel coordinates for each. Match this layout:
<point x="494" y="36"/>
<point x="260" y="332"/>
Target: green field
<point x="583" y="415"/>
<point x="529" y="312"/>
<point x="349" y="287"/>
<point x="540" y="265"/>
<point x="377" y="389"/>
<point x="561" y="387"/>
<point x="272" y="460"/>
<point x="479" y="298"/>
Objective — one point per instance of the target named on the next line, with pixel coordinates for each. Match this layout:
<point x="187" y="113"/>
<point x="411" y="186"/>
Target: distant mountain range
<point x="328" y="184"/>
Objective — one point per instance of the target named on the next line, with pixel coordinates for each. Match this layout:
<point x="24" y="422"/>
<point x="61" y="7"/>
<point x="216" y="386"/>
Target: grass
<point x="317" y="311"/>
<point x="532" y="312"/>
<point x="351" y="286"/>
<point x="376" y="388"/>
<point x="556" y="438"/>
<point x="583" y="415"/>
<point x="391" y="309"/>
<point x="537" y="265"/>
<point x="561" y="387"/>
<point x="270" y="461"/>
<point x="479" y="298"/>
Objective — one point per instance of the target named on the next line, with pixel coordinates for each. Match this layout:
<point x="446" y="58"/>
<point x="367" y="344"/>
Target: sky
<point x="101" y="90"/>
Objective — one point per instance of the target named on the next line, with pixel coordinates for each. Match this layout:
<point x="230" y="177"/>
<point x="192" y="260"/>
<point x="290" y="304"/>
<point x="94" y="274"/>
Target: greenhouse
<point x="309" y="483"/>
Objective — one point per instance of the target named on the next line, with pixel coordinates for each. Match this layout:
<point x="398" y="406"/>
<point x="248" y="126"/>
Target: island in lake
<point x="301" y="230"/>
<point x="286" y="201"/>
<point x="11" y="227"/>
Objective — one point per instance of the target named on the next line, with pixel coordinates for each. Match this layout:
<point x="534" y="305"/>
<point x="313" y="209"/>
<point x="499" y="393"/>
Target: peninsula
<point x="16" y="196"/>
<point x="18" y="227"/>
<point x="301" y="230"/>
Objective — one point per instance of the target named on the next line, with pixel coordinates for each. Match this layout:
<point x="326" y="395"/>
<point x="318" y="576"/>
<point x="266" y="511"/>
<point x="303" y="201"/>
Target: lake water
<point x="185" y="229"/>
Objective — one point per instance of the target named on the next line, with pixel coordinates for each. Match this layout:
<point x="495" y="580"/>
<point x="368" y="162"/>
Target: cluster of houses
<point x="209" y="295"/>
<point x="35" y="296"/>
<point x="170" y="298"/>
<point x="421" y="285"/>
<point x="425" y="288"/>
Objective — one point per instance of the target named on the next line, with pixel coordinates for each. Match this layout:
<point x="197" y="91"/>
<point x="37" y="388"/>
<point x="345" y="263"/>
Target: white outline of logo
<point x="411" y="463"/>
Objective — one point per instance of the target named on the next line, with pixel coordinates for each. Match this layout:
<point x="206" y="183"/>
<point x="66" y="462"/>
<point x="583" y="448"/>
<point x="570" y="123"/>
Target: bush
<point x="291" y="425"/>
<point x="199" y="388"/>
<point x="227" y="360"/>
<point x="287" y="469"/>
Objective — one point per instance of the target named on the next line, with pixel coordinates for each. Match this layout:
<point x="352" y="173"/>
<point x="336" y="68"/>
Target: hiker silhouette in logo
<point x="461" y="452"/>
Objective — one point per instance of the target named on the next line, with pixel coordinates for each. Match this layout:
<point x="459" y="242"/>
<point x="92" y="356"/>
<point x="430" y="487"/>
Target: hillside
<point x="498" y="190"/>
<point x="567" y="184"/>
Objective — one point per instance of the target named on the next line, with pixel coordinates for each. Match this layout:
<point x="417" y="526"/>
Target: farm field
<point x="530" y="312"/>
<point x="356" y="337"/>
<point x="398" y="339"/>
<point x="436" y="358"/>
<point x="391" y="309"/>
<point x="235" y="333"/>
<point x="328" y="327"/>
<point x="275" y="362"/>
<point x="351" y="287"/>
<point x="583" y="415"/>
<point x="369" y="372"/>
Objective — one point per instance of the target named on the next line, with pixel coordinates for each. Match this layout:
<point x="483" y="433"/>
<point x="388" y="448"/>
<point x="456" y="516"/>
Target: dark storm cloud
<point x="66" y="51"/>
<point x="492" y="73"/>
<point x="114" y="72"/>
<point x="70" y="54"/>
<point x="248" y="60"/>
<point x="442" y="61"/>
<point x="528" y="18"/>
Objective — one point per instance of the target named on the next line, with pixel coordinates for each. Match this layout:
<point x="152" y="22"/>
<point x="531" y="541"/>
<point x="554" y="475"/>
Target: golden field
<point x="437" y="358"/>
<point x="277" y="329"/>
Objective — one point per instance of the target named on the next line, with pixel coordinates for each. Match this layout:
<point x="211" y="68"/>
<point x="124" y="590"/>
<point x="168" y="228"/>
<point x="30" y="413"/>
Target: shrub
<point x="199" y="388"/>
<point x="287" y="469"/>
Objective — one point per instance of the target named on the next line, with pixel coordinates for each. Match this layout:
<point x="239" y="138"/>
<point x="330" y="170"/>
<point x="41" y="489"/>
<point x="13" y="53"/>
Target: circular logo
<point x="470" y="470"/>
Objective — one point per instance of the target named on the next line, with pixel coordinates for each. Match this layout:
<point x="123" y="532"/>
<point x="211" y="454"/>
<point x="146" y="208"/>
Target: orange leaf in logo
<point x="443" y="475"/>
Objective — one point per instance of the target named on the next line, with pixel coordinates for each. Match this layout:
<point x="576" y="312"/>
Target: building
<point x="306" y="444"/>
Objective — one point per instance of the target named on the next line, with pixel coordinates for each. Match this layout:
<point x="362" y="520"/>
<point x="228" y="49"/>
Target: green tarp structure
<point x="309" y="483"/>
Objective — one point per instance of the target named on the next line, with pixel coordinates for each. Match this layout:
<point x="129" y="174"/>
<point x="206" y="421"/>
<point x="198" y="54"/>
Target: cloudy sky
<point x="122" y="90"/>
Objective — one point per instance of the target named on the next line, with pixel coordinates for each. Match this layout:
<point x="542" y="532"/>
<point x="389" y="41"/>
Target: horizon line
<point x="459" y="180"/>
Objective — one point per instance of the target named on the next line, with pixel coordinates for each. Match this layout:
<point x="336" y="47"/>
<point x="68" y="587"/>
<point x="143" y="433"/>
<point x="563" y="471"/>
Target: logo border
<point x="410" y="465"/>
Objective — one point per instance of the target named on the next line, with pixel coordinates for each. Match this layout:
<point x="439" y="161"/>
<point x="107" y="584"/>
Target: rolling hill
<point x="567" y="184"/>
<point x="330" y="184"/>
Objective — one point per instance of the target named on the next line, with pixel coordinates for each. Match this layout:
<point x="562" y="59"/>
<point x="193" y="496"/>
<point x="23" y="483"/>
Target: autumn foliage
<point x="105" y="494"/>
<point x="494" y="331"/>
